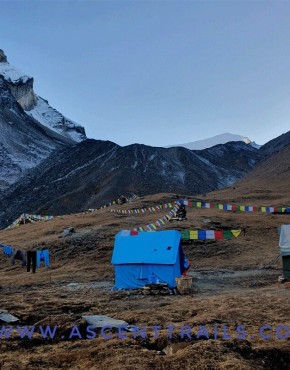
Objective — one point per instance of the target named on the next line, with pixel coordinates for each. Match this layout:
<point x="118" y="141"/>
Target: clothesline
<point x="31" y="259"/>
<point x="159" y="207"/>
<point x="197" y="234"/>
<point x="233" y="207"/>
<point x="209" y="234"/>
<point x="160" y="222"/>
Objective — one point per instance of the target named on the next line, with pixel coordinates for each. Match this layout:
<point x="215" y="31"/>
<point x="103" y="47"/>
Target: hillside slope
<point x="231" y="288"/>
<point x="276" y="144"/>
<point x="268" y="183"/>
<point x="95" y="172"/>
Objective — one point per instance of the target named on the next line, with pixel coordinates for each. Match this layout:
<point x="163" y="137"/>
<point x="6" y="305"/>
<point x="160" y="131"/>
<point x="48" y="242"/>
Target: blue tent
<point x="139" y="257"/>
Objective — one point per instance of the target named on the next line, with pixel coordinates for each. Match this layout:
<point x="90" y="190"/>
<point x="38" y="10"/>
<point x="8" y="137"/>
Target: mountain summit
<point x="30" y="129"/>
<point x="21" y="88"/>
<point x="216" y="140"/>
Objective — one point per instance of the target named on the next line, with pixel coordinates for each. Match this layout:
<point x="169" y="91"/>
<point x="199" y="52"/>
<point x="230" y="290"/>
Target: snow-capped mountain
<point x="21" y="88"/>
<point x="215" y="140"/>
<point x="30" y="130"/>
<point x="47" y="166"/>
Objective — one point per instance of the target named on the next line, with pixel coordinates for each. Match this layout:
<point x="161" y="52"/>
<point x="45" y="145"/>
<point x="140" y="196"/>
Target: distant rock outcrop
<point x="3" y="58"/>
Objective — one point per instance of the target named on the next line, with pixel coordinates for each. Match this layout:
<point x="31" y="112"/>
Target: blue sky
<point x="157" y="72"/>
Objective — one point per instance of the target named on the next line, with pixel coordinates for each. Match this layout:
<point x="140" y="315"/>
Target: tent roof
<point x="158" y="247"/>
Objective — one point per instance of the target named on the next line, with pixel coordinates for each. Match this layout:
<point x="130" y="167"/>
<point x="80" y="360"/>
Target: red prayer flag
<point x="218" y="234"/>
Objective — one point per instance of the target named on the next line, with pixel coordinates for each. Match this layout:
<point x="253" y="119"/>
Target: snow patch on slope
<point x="215" y="140"/>
<point x="51" y="118"/>
<point x="12" y="74"/>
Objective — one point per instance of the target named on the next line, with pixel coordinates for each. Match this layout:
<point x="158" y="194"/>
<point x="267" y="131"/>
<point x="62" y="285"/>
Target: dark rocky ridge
<point x="275" y="145"/>
<point x="94" y="172"/>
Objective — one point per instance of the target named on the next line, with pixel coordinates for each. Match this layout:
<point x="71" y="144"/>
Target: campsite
<point x="235" y="282"/>
<point x="144" y="185"/>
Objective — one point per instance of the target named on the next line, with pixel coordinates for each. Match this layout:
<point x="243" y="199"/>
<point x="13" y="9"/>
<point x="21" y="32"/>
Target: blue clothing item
<point x="8" y="250"/>
<point x="42" y="256"/>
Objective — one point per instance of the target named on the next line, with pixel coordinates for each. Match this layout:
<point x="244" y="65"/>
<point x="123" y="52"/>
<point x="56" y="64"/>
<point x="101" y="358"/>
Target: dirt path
<point x="221" y="281"/>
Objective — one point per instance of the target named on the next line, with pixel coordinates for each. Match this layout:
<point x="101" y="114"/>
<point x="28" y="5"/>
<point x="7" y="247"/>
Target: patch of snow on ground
<point x="180" y="175"/>
<point x="51" y="118"/>
<point x="135" y="164"/>
<point x="227" y="181"/>
<point x="73" y="172"/>
<point x="205" y="161"/>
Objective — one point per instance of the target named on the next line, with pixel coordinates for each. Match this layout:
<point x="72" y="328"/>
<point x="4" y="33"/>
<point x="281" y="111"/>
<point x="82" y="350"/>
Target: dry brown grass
<point x="84" y="258"/>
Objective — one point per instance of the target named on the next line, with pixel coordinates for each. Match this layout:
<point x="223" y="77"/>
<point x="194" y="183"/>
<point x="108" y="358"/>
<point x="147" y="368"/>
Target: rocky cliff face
<point x="26" y="138"/>
<point x="23" y="93"/>
<point x="3" y="58"/>
<point x="23" y="143"/>
<point x="21" y="88"/>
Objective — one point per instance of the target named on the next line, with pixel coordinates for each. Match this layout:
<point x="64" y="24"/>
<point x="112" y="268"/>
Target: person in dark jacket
<point x="181" y="212"/>
<point x="122" y="200"/>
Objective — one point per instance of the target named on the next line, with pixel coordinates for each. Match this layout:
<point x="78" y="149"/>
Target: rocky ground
<point x="235" y="283"/>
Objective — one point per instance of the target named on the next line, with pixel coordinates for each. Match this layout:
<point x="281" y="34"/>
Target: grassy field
<point x="236" y="283"/>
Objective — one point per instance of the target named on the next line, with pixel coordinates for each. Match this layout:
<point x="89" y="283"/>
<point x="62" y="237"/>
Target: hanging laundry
<point x="8" y="250"/>
<point x="20" y="256"/>
<point x="31" y="260"/>
<point x="42" y="256"/>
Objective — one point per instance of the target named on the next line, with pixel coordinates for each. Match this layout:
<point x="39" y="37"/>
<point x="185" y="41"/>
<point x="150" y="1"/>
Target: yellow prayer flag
<point x="236" y="233"/>
<point x="193" y="234"/>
